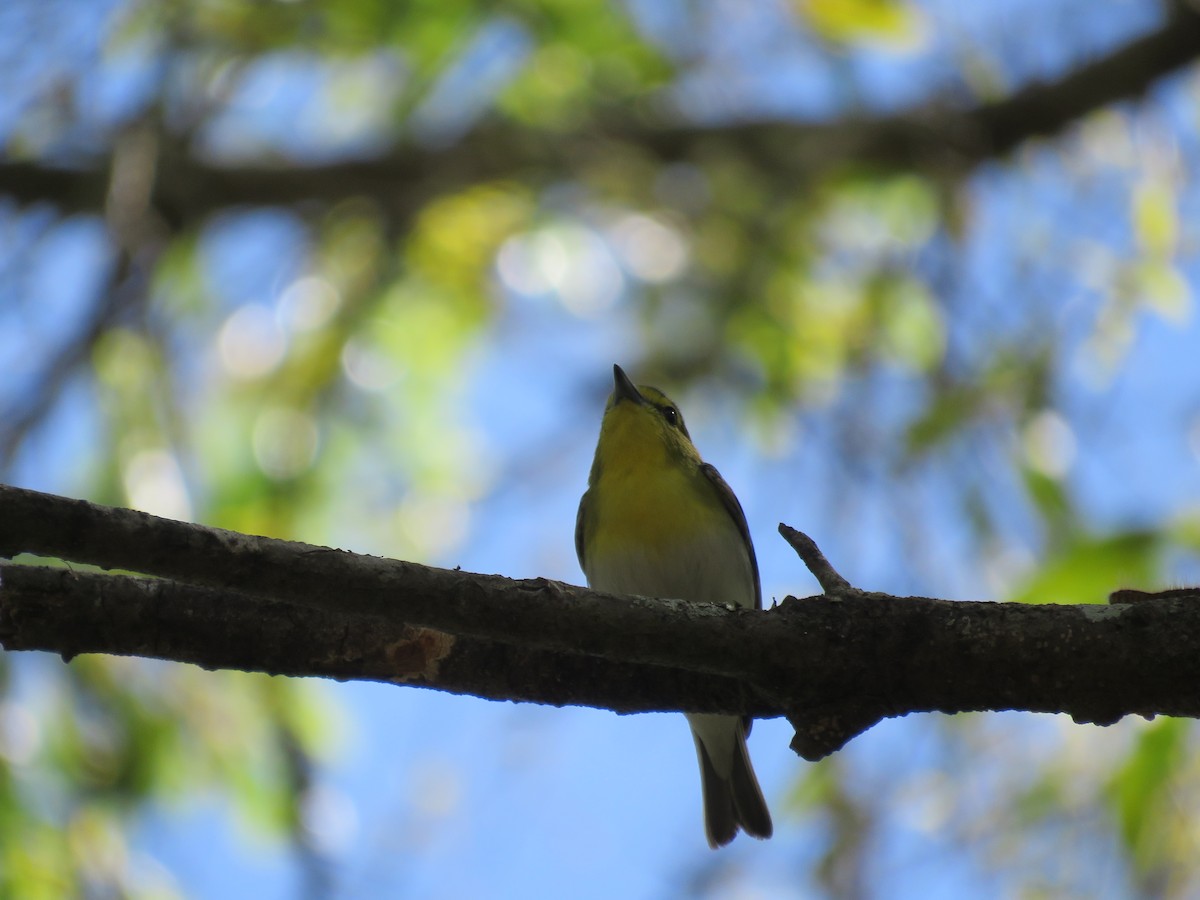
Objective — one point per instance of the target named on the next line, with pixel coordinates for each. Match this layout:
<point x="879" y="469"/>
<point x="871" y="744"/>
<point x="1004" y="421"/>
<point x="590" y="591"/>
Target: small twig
<point x="806" y="548"/>
<point x="1130" y="595"/>
<point x="826" y="728"/>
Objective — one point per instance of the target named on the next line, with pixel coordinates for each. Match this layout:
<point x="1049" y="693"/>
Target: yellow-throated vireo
<point x="658" y="521"/>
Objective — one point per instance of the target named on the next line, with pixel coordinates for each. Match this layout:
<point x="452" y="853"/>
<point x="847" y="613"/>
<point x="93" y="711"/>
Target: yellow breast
<point x="651" y="507"/>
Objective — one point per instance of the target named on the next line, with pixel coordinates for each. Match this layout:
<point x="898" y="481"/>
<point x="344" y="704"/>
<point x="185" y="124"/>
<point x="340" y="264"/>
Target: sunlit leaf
<point x="913" y="330"/>
<point x="1155" y="220"/>
<point x="1140" y="791"/>
<point x="893" y="21"/>
<point x="1087" y="569"/>
<point x="1049" y="496"/>
<point x="1163" y="289"/>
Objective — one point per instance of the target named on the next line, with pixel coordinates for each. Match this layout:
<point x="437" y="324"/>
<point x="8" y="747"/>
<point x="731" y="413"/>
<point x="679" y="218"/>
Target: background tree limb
<point x="939" y="139"/>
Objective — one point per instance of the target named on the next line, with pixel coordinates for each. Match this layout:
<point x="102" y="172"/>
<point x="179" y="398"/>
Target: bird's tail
<point x="732" y="797"/>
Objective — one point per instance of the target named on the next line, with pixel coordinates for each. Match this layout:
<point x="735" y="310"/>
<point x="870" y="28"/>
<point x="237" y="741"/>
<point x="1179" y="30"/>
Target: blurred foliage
<point x="1152" y="822"/>
<point x="857" y="20"/>
<point x="302" y="371"/>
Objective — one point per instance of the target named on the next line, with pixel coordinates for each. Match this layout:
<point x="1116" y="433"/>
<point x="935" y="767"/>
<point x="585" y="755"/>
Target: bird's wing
<point x="579" y="530"/>
<point x="730" y="501"/>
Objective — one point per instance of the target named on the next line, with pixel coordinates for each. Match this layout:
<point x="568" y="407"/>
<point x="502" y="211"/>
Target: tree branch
<point x="526" y="612"/>
<point x="68" y="612"/>
<point x="233" y="600"/>
<point x="939" y="139"/>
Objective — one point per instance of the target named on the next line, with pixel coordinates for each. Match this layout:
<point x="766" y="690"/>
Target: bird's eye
<point x="671" y="414"/>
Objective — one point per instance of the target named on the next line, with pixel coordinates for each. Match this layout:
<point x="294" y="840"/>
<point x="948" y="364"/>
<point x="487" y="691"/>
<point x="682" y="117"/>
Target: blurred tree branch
<point x="939" y="139"/>
<point x="834" y="665"/>
<point x="138" y="238"/>
<point x="22" y="415"/>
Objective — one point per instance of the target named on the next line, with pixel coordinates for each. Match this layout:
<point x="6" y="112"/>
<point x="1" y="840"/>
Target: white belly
<point x="713" y="568"/>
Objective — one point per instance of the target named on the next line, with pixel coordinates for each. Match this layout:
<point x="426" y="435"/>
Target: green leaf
<point x="890" y="21"/>
<point x="1088" y="569"/>
<point x="1140" y="791"/>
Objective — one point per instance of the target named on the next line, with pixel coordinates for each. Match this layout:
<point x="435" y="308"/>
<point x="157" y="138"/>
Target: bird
<point x="658" y="521"/>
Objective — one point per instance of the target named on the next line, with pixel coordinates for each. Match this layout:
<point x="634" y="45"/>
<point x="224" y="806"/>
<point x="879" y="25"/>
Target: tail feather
<point x="720" y="817"/>
<point x="733" y="798"/>
<point x="752" y="812"/>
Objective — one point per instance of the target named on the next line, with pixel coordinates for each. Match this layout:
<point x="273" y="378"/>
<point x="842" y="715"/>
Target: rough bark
<point x="834" y="664"/>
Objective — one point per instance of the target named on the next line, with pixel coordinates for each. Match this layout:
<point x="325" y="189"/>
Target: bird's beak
<point x="624" y="389"/>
